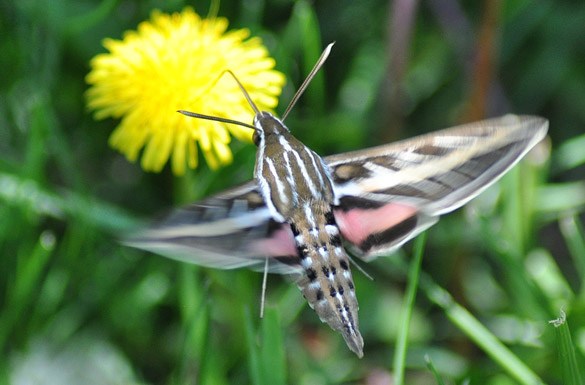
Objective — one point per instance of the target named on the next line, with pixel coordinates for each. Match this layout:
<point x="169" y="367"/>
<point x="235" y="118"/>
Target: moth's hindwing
<point x="387" y="195"/>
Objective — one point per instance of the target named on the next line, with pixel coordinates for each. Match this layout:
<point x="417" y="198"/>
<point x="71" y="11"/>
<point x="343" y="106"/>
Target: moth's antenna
<point x="224" y="120"/>
<point x="264" y="289"/>
<point x="215" y="118"/>
<point x="312" y="74"/>
<point x="256" y="110"/>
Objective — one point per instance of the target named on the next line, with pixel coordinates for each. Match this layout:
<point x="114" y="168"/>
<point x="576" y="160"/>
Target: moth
<point x="301" y="211"/>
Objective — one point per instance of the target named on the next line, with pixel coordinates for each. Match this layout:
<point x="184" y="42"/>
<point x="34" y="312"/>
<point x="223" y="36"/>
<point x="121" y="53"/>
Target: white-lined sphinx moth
<point x="300" y="209"/>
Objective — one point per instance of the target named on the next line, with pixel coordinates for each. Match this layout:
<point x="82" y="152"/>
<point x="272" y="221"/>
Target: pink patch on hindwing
<point x="280" y="244"/>
<point x="357" y="224"/>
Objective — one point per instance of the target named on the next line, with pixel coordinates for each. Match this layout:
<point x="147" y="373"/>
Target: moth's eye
<point x="256" y="138"/>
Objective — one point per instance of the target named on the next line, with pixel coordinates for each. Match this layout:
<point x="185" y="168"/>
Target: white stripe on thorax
<point x="290" y="177"/>
<point x="305" y="174"/>
<point x="312" y="156"/>
<point x="285" y="144"/>
<point x="266" y="194"/>
<point x="264" y="187"/>
<point x="279" y="184"/>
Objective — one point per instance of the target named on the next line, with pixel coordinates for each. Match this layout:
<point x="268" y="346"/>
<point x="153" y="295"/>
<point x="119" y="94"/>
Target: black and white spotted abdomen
<point x="326" y="281"/>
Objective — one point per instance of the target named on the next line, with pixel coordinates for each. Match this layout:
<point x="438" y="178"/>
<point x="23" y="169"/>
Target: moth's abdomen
<point x="326" y="281"/>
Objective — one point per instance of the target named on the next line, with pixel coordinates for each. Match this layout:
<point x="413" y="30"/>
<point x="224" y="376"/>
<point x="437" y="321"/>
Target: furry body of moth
<point x="297" y="187"/>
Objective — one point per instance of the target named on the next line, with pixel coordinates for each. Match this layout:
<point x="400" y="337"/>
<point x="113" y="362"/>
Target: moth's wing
<point x="229" y="230"/>
<point x="389" y="194"/>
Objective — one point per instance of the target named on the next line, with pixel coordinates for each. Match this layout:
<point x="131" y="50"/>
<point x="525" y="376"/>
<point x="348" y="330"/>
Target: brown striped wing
<point x="387" y="195"/>
<point x="229" y="230"/>
<point x="391" y="193"/>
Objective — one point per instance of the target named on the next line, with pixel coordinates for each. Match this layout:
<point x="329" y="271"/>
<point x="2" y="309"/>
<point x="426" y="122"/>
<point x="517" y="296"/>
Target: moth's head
<point x="267" y="125"/>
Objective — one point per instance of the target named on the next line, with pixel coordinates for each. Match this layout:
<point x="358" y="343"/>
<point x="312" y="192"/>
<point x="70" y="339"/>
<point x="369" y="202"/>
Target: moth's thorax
<point x="288" y="172"/>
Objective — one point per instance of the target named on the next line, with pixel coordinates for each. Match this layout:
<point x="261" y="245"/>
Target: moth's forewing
<point x="229" y="230"/>
<point x="391" y="193"/>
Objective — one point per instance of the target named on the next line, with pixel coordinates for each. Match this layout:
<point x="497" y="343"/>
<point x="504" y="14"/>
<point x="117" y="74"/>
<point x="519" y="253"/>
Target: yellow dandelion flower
<point x="173" y="62"/>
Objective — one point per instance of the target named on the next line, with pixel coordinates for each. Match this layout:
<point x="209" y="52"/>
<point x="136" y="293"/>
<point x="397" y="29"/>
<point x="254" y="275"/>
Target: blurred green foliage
<point x="77" y="307"/>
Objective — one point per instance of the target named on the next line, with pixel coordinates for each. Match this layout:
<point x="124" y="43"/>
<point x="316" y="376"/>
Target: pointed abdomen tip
<point x="355" y="343"/>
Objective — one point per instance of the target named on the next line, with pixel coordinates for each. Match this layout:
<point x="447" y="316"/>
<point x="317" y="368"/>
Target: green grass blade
<point x="570" y="154"/>
<point x="34" y="162"/>
<point x="254" y="364"/>
<point x="474" y="329"/>
<point x="477" y="332"/>
<point x="570" y="368"/>
<point x="547" y="276"/>
<point x="515" y="213"/>
<point x="555" y="198"/>
<point x="29" y="195"/>
<point x="272" y="349"/>
<point x="81" y="23"/>
<point x="431" y="367"/>
<point x="195" y="322"/>
<point x="21" y="294"/>
<point x="410" y="296"/>
<point x="291" y="304"/>
<point x="572" y="231"/>
<point x="312" y="47"/>
<point x="303" y="36"/>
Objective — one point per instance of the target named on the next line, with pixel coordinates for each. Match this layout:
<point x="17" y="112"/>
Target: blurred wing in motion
<point x="387" y="195"/>
<point x="230" y="230"/>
